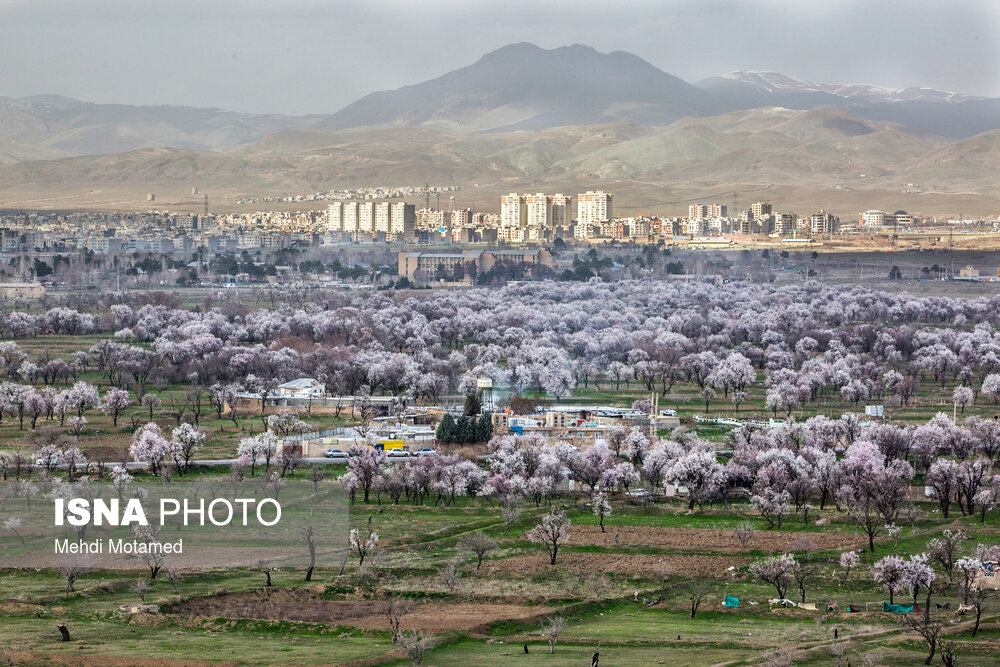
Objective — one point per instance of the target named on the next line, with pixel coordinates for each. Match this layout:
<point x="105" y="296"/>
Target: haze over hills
<point x="522" y="86"/>
<point x="517" y="87"/>
<point x="954" y="114"/>
<point x="819" y="148"/>
<point x="525" y="117"/>
<point x="51" y="125"/>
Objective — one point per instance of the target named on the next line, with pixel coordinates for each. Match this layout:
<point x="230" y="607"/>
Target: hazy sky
<point x="314" y="56"/>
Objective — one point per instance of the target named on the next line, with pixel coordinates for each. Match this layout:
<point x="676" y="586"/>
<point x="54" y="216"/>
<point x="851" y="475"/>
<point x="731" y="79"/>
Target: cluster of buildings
<point x="382" y="214"/>
<point x="370" y="220"/>
<point x="465" y="265"/>
<point x="360" y="194"/>
<point x="876" y="219"/>
<point x="539" y="217"/>
<point x="760" y="218"/>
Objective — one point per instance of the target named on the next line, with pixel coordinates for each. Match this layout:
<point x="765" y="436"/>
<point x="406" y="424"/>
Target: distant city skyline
<point x="307" y="56"/>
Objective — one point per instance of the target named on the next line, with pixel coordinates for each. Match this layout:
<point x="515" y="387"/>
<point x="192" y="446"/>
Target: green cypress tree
<point x="446" y="429"/>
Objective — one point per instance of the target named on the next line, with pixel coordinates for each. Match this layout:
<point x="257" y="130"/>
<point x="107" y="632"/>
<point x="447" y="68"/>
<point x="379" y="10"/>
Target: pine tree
<point x="472" y="405"/>
<point x="446" y="429"/>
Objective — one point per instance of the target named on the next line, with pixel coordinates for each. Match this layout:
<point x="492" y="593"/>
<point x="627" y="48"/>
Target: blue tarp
<point x="731" y="601"/>
<point x="897" y="608"/>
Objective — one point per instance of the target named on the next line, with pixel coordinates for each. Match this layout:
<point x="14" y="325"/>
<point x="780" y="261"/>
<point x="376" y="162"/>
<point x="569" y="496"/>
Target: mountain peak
<point x="523" y="86"/>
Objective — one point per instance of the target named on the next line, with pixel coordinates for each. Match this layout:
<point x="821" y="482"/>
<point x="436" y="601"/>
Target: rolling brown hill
<point x="769" y="147"/>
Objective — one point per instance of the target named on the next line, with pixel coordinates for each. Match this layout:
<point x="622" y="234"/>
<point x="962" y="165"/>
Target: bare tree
<point x="394" y="609"/>
<point x="510" y="512"/>
<point x="552" y="628"/>
<point x="415" y="645"/>
<point x="173" y="578"/>
<point x="140" y="587"/>
<point x="803" y="572"/>
<point x="928" y="627"/>
<point x="696" y="593"/>
<point x="266" y="568"/>
<point x="71" y="572"/>
<point x="316" y="475"/>
<point x="743" y="533"/>
<point x="980" y="598"/>
<point x="290" y="458"/>
<point x="195" y="398"/>
<point x="948" y="656"/>
<point x="872" y="658"/>
<point x="309" y="534"/>
<point x="452" y="576"/>
<point x="479" y="543"/>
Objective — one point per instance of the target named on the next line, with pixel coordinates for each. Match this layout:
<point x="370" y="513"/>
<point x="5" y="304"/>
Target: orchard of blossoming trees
<point x="822" y="504"/>
<point x="802" y="343"/>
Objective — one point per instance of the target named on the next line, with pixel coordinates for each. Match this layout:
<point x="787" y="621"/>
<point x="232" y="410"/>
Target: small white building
<point x="300" y="388"/>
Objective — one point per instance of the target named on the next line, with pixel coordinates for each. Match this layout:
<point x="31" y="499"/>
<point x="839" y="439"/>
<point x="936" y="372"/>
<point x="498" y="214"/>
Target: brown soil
<point x="634" y="564"/>
<point x="28" y="658"/>
<point x="704" y="539"/>
<point x="428" y="617"/>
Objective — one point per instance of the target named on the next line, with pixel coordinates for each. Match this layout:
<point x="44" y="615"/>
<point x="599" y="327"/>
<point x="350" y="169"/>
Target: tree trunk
<point x="64" y="631"/>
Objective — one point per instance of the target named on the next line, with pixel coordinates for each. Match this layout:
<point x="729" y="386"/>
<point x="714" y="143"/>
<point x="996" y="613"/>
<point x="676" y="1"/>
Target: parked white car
<point x="397" y="454"/>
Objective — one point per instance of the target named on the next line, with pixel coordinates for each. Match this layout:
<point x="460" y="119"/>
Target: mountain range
<point x="523" y="116"/>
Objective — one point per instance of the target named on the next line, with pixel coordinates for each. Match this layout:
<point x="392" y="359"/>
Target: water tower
<point x="484" y="387"/>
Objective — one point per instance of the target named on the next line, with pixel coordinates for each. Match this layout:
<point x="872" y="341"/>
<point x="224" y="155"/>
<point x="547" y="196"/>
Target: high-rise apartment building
<point x="760" y="210"/>
<point x="538" y="210"/>
<point x="697" y="211"/>
<point x="513" y="211"/>
<point x="335" y="216"/>
<point x="784" y="223"/>
<point x="461" y="217"/>
<point x="823" y="223"/>
<point x="350" y="217"/>
<point x="562" y="212"/>
<point x="366" y="216"/>
<point x="593" y="209"/>
<point x="402" y="221"/>
<point x="381" y="217"/>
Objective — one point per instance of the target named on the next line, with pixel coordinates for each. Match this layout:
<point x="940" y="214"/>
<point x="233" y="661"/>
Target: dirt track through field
<point x="428" y="617"/>
<point x="705" y="539"/>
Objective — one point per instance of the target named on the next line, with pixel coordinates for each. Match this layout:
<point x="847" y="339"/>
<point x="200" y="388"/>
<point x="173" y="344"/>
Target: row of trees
<point x="811" y="342"/>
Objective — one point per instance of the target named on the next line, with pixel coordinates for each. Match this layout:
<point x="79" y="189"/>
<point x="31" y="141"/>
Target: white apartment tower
<point x="513" y="211"/>
<point x="402" y="221"/>
<point x="592" y="210"/>
<point x="366" y="216"/>
<point x="350" y="216"/>
<point x="538" y="210"/>
<point x="382" y="217"/>
<point x="335" y="216"/>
